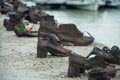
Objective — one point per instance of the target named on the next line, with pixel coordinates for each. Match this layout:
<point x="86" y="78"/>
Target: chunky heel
<point x="73" y="70"/>
<point x="41" y="52"/>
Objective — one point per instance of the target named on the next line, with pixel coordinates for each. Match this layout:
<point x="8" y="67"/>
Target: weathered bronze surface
<point x="110" y="55"/>
<point x="49" y="43"/>
<point x="77" y="61"/>
<point x="67" y="33"/>
<point x="21" y="33"/>
<point x="70" y="33"/>
<point x="47" y="39"/>
<point x="97" y="74"/>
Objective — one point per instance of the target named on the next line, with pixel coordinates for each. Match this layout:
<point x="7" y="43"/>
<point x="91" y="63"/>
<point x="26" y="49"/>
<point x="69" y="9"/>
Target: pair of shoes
<point x="76" y="62"/>
<point x="111" y="56"/>
<point x="67" y="33"/>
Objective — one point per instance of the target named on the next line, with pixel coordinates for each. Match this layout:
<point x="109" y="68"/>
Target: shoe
<point x="22" y="33"/>
<point x="76" y="63"/>
<point x="70" y="34"/>
<point x="49" y="43"/>
<point x="14" y="19"/>
<point x="103" y="53"/>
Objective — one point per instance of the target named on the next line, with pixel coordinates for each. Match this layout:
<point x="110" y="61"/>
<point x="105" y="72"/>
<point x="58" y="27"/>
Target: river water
<point x="103" y="24"/>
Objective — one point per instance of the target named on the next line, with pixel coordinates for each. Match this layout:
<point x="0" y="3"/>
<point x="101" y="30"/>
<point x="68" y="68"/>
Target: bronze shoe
<point x="49" y="43"/>
<point x="70" y="34"/>
<point x="76" y="62"/>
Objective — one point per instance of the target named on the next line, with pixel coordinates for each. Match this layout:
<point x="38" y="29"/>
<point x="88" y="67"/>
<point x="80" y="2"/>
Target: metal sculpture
<point x="67" y="33"/>
<point x="48" y="41"/>
<point x="77" y="62"/>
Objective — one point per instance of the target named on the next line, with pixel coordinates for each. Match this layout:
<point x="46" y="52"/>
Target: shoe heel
<point x="41" y="52"/>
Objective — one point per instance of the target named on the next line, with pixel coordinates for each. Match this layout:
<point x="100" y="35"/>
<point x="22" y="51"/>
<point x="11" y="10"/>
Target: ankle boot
<point x="49" y="43"/>
<point x="47" y="26"/>
<point x="77" y="62"/>
<point x="47" y="34"/>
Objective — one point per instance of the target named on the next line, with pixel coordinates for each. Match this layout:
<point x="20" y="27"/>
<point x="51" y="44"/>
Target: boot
<point x="49" y="43"/>
<point x="36" y="14"/>
<point x="76" y="63"/>
<point x="114" y="52"/>
<point x="47" y="26"/>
